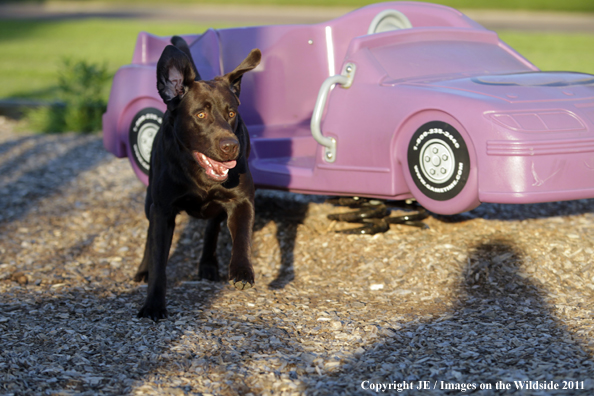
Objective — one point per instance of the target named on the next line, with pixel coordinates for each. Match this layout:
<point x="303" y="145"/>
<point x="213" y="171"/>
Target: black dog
<point x="198" y="165"/>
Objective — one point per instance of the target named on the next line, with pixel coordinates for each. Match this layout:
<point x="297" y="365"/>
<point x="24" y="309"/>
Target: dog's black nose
<point x="229" y="147"/>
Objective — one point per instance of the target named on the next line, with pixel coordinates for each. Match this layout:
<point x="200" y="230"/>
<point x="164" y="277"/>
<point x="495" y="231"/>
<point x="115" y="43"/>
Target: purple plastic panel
<point x="433" y="52"/>
<point x="541" y="87"/>
<point x="149" y="47"/>
<point x="206" y="54"/>
<point x="539" y="121"/>
<point x="283" y="89"/>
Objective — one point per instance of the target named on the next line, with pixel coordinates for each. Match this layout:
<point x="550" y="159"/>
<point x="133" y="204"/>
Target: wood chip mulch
<point x="501" y="294"/>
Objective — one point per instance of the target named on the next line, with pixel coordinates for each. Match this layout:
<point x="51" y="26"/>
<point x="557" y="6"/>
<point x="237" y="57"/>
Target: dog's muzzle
<point x="215" y="170"/>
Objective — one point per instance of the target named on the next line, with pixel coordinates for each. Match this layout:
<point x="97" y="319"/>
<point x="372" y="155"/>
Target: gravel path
<point x="501" y="294"/>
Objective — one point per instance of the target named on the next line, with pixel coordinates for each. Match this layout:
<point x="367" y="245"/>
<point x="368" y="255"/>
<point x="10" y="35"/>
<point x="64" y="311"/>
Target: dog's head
<point x="204" y="113"/>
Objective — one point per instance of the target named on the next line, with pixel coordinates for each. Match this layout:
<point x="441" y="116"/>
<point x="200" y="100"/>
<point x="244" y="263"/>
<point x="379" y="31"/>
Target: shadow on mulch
<point x="20" y="195"/>
<point x="494" y="301"/>
<point x="519" y="212"/>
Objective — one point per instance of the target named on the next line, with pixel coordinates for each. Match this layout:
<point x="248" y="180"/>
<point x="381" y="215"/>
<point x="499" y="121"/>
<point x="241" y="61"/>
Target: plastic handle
<point x="345" y="79"/>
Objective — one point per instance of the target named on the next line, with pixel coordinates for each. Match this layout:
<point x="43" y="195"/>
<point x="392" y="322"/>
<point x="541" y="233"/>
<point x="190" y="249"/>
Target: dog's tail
<point x="181" y="44"/>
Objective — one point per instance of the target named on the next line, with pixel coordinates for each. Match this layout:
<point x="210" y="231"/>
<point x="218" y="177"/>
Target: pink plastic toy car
<point x="393" y="101"/>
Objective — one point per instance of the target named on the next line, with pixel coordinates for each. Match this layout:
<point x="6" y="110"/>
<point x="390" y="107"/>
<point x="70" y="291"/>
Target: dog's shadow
<point x="287" y="211"/>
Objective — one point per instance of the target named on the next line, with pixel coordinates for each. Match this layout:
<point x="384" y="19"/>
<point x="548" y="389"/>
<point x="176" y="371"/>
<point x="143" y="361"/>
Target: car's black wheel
<point x="438" y="161"/>
<point x="143" y="129"/>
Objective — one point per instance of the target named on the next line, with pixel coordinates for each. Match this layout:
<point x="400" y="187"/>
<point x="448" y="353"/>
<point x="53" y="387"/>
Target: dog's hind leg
<point x="209" y="265"/>
<point x="160" y="234"/>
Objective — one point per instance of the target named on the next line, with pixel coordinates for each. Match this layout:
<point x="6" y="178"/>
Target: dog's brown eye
<point x="231" y="114"/>
<point x="201" y="115"/>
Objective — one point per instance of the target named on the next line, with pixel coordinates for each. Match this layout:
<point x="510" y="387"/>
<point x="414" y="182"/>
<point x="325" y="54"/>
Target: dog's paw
<point x="153" y="312"/>
<point x="141" y="276"/>
<point x="242" y="279"/>
<point x="241" y="285"/>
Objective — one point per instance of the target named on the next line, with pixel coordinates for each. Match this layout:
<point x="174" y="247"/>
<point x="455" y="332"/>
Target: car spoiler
<point x="425" y="34"/>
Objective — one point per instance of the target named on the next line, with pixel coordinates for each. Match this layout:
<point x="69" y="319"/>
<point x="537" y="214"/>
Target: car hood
<point x="524" y="87"/>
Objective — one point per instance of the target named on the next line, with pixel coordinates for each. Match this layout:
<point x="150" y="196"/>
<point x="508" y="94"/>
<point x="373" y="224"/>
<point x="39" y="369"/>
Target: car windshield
<point x="432" y="58"/>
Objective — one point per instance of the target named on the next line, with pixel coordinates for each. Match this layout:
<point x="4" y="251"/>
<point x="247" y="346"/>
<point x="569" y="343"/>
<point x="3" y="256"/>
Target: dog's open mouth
<point x="214" y="169"/>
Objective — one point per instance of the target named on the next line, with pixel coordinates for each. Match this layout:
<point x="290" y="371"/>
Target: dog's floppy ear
<point x="175" y="74"/>
<point x="249" y="63"/>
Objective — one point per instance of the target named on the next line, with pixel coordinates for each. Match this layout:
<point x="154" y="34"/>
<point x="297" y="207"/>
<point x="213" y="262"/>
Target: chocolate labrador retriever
<point x="198" y="165"/>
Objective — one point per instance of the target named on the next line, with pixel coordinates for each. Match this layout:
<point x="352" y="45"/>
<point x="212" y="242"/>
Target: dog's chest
<point x="200" y="208"/>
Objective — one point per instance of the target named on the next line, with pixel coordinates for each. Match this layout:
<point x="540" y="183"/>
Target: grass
<point x="32" y="52"/>
<point x="553" y="5"/>
<point x="570" y="52"/>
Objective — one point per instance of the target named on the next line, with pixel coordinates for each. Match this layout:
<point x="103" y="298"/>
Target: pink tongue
<point x="220" y="167"/>
<point x="216" y="167"/>
<point x="228" y="164"/>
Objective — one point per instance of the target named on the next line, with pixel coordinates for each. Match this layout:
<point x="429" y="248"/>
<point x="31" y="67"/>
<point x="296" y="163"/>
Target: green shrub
<point x="80" y="102"/>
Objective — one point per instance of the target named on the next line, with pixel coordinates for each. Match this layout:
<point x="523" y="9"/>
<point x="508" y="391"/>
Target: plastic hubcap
<point x="146" y="135"/>
<point x="437" y="161"/>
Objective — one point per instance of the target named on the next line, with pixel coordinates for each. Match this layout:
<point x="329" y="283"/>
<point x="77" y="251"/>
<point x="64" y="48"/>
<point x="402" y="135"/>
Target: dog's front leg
<point x="142" y="272"/>
<point x="209" y="265"/>
<point x="241" y="223"/>
<point x="160" y="233"/>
